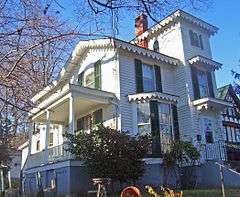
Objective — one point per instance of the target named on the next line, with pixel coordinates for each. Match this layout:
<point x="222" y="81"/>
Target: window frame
<point x="140" y="124"/>
<point x="205" y="86"/>
<point x="196" y="39"/>
<point x="156" y="46"/>
<point x="90" y="84"/>
<point x="152" y="79"/>
<point x="206" y="133"/>
<point x="164" y="146"/>
<point x="51" y="139"/>
<point x="38" y="146"/>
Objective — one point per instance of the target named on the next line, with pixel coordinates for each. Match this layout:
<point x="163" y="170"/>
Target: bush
<point x="108" y="153"/>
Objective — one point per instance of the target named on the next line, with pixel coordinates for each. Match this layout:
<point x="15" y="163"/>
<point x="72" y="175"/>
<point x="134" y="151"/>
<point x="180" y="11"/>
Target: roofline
<point x="105" y="42"/>
<point x="173" y="14"/>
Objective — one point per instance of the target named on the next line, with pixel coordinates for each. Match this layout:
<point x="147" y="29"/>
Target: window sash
<point x="208" y="130"/>
<point x="148" y="78"/>
<point x="50" y="143"/>
<point x="164" y="124"/>
<point x="203" y="84"/>
<point x="89" y="80"/>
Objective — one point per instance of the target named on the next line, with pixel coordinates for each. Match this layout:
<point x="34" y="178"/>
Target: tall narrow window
<point x="165" y="126"/>
<point x="38" y="145"/>
<point x="143" y="115"/>
<point x="237" y="135"/>
<point x="208" y="130"/>
<point x="156" y="46"/>
<point x="203" y="84"/>
<point x="97" y="116"/>
<point x="80" y="79"/>
<point x="97" y="75"/>
<point x="50" y="139"/>
<point x="148" y="78"/>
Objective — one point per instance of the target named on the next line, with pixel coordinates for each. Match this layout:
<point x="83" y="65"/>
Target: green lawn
<point x="203" y="193"/>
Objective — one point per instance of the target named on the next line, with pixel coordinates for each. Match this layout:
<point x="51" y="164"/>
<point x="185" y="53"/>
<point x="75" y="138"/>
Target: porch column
<point x="71" y="115"/>
<point x="30" y="134"/>
<point x="47" y="136"/>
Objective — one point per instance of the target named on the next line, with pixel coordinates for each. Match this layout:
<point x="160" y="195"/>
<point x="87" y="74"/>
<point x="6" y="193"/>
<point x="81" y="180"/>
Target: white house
<point x="162" y="82"/>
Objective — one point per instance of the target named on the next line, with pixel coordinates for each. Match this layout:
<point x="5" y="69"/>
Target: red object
<point x="131" y="192"/>
<point x="141" y="25"/>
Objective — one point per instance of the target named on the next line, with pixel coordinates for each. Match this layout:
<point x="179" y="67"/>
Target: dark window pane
<point x="156" y="46"/>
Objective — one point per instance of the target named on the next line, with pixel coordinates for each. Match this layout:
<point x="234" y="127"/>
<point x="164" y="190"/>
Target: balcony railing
<point x="54" y="154"/>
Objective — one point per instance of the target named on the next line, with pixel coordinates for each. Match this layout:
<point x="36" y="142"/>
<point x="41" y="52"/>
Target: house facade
<point x="231" y="123"/>
<point x="162" y="83"/>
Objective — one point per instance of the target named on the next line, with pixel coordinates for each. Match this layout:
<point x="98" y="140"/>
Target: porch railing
<point x="215" y="151"/>
<point x="54" y="154"/>
<point x="58" y="153"/>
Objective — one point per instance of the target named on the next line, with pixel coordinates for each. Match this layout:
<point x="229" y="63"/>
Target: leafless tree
<point x="36" y="37"/>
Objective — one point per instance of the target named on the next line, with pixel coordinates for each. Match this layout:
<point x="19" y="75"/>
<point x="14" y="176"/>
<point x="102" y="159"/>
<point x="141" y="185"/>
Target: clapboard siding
<point x="108" y="59"/>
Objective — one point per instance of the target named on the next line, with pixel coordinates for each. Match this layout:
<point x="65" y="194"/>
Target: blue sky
<point x="226" y="43"/>
<point x="224" y="14"/>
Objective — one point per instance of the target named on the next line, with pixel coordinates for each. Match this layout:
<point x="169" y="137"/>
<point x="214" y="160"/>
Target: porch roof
<point x="87" y="97"/>
<point x="211" y="103"/>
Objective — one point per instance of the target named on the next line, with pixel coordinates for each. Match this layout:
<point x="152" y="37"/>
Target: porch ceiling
<point x="85" y="100"/>
<point x="60" y="113"/>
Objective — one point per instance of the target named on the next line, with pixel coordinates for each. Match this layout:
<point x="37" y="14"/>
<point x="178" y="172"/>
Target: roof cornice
<point x="175" y="17"/>
<point x="196" y="60"/>
<point x="84" y="46"/>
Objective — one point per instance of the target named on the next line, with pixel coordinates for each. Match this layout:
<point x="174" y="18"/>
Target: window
<point x="89" y="80"/>
<point x="231" y="112"/>
<point x="237" y="135"/>
<point x="196" y="40"/>
<point x="50" y="139"/>
<point x="229" y="134"/>
<point x="86" y="123"/>
<point x="156" y="46"/>
<point x="162" y="131"/>
<point x="208" y="130"/>
<point x="165" y="126"/>
<point x="143" y="115"/>
<point x="203" y="84"/>
<point x="38" y="145"/>
<point x="148" y="78"/>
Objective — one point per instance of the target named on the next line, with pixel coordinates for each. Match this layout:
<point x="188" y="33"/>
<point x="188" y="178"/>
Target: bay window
<point x="165" y="124"/>
<point x="143" y="116"/>
<point x="155" y="118"/>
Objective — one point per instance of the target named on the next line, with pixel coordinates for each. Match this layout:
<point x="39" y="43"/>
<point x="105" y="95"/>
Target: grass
<point x="201" y="193"/>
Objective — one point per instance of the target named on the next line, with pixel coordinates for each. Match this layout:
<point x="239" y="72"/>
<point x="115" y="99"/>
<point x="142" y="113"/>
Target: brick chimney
<point x="141" y="25"/>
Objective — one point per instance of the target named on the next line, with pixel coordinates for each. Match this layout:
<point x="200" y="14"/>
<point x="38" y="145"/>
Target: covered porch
<point x="60" y="113"/>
